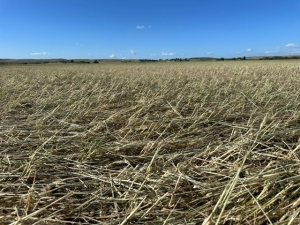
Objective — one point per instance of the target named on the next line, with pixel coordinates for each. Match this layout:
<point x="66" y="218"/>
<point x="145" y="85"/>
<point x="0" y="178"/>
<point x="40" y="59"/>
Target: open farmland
<point x="157" y="143"/>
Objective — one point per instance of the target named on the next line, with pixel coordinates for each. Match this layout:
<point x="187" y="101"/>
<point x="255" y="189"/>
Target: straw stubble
<point x="162" y="143"/>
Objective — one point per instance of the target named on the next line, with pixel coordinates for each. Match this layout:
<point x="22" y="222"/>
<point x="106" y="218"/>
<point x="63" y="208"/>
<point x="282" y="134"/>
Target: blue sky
<point x="155" y="29"/>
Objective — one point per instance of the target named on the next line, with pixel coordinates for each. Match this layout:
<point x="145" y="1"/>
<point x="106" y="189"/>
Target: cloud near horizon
<point x="132" y="52"/>
<point x="112" y="55"/>
<point x="246" y="51"/>
<point x="291" y="45"/>
<point x="39" y="53"/>
<point x="290" y="48"/>
<point x="165" y="53"/>
<point x="270" y="52"/>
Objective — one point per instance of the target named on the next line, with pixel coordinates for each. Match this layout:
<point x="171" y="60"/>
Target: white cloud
<point x="244" y="52"/>
<point x="270" y="52"/>
<point x="139" y="27"/>
<point x="291" y="45"/>
<point x="132" y="52"/>
<point x="39" y="53"/>
<point x="165" y="53"/>
<point x="290" y="48"/>
<point x="209" y="53"/>
<point x="295" y="51"/>
<point x="112" y="55"/>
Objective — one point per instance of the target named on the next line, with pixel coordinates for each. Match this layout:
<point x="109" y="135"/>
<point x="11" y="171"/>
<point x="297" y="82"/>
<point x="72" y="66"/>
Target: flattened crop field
<point x="150" y="143"/>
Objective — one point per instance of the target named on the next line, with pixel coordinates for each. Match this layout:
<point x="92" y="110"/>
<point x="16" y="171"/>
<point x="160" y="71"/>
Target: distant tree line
<point x="148" y="60"/>
<point x="88" y="61"/>
<point x="81" y="61"/>
<point x="160" y="60"/>
<point x="262" y="58"/>
<point x="179" y="59"/>
<point x="280" y="57"/>
<point x="239" y="58"/>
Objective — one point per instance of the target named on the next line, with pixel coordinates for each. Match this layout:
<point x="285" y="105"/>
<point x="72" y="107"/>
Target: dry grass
<point x="169" y="143"/>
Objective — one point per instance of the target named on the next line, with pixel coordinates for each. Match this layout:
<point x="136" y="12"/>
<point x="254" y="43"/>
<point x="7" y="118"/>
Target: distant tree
<point x="71" y="61"/>
<point x="96" y="61"/>
<point x="244" y="58"/>
<point x="148" y="60"/>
